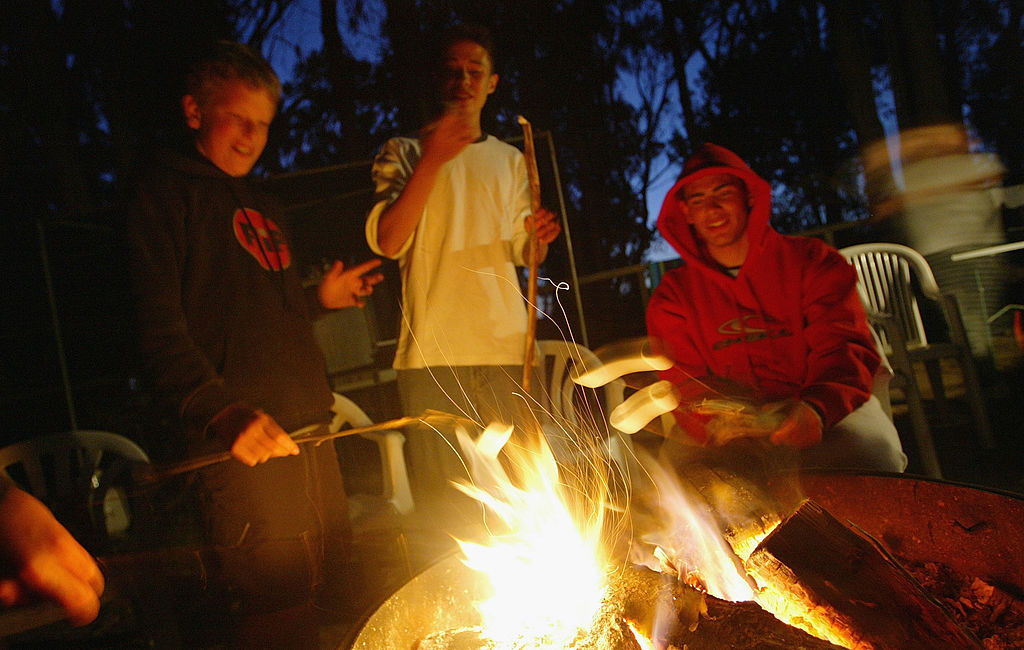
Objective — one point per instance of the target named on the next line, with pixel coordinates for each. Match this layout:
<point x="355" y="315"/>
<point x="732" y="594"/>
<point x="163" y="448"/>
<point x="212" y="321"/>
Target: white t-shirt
<point x="462" y="304"/>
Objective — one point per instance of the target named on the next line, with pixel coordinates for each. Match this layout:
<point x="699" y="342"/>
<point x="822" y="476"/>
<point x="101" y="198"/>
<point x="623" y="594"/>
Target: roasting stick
<point x="151" y="474"/>
<point x="531" y="290"/>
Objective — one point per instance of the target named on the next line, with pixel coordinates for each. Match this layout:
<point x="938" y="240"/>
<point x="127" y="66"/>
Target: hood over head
<point x="712" y="159"/>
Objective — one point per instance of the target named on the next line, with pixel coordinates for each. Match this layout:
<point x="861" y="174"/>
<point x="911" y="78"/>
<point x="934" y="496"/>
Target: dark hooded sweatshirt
<point x="223" y="315"/>
<point x="789" y="325"/>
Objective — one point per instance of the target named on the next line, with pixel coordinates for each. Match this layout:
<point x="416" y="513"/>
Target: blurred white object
<point x="953" y="200"/>
<point x="645" y="405"/>
<point x="622" y="359"/>
<point x="396" y="480"/>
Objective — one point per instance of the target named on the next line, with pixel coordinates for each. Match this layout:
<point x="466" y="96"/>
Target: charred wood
<point x="840" y="581"/>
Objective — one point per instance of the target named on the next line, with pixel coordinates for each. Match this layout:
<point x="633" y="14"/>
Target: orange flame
<point x="544" y="566"/>
<point x="545" y="553"/>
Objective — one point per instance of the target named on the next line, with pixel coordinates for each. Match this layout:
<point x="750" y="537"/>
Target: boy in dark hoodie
<point x="226" y="334"/>
<point x="764" y="318"/>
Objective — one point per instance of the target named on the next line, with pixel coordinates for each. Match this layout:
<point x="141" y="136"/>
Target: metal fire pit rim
<point x="915" y="477"/>
<point x="364" y="617"/>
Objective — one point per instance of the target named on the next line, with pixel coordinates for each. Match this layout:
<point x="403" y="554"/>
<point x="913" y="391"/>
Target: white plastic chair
<point x="396" y="489"/>
<point x="561" y="398"/>
<point x="76" y="475"/>
<point x="891" y="276"/>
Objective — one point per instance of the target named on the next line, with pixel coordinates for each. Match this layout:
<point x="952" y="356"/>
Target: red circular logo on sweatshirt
<point x="263" y="239"/>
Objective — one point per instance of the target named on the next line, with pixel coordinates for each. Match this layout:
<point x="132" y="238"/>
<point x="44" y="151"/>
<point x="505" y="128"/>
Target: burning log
<point x="746" y="513"/>
<point x="845" y="586"/>
<point x="659" y="608"/>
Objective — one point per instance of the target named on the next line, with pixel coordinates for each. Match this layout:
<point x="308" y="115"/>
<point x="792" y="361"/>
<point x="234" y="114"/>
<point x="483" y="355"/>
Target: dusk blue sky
<point x="300" y="29"/>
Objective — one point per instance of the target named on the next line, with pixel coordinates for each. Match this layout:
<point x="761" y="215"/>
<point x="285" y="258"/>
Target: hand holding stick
<point x="148" y="475"/>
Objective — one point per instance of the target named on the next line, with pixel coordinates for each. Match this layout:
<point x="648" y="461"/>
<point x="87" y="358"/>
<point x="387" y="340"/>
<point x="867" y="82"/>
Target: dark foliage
<point x="625" y="90"/>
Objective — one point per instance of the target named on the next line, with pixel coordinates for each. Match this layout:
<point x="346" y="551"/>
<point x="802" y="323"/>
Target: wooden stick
<point x="144" y="475"/>
<point x="531" y="290"/>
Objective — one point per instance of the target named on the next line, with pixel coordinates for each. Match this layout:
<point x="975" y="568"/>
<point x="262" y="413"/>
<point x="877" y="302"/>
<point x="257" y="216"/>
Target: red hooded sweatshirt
<point x="789" y="325"/>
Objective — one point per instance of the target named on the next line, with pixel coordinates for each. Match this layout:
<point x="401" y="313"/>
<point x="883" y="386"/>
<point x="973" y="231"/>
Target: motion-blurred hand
<point x="341" y="287"/>
<point x="707" y="412"/>
<point x="40" y="558"/>
<point x="626" y="358"/>
<point x="802" y="427"/>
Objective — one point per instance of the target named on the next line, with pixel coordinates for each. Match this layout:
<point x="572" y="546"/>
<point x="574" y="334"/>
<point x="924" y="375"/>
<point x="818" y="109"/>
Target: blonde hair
<point x="230" y="61"/>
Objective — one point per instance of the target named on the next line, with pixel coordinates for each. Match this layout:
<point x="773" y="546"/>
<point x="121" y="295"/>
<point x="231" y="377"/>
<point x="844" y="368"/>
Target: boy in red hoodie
<point x="775" y="320"/>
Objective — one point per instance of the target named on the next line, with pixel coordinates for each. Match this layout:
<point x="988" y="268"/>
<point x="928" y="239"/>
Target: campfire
<point x="774" y="569"/>
<point x="532" y="513"/>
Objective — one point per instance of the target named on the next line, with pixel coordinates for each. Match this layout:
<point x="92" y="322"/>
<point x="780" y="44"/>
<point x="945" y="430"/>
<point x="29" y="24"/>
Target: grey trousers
<point x="484" y="394"/>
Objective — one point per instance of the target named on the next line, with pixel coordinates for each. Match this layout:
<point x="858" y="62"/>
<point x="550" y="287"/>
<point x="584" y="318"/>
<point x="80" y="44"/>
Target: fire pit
<point x="972" y="532"/>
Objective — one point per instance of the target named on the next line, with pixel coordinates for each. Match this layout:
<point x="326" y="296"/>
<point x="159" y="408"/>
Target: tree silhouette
<point x="626" y="88"/>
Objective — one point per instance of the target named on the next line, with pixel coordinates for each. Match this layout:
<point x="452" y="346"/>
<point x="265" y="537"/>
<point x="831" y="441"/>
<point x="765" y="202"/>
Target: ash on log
<point x="845" y="582"/>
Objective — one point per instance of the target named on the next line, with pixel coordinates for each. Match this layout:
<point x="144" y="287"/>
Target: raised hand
<point x="446" y="137"/>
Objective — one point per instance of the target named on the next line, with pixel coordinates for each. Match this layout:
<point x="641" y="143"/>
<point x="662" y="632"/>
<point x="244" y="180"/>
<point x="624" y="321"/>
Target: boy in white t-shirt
<point x="453" y="207"/>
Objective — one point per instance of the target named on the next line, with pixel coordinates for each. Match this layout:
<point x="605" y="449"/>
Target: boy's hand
<point x="348" y="288"/>
<point x="255" y="437"/>
<point x="543" y="225"/>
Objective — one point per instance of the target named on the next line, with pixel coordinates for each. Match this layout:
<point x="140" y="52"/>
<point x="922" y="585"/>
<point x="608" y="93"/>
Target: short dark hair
<point x="229" y="61"/>
<point x="461" y="32"/>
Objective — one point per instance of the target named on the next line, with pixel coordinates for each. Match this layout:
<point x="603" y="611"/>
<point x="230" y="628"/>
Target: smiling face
<point x="718" y="208"/>
<point x="231" y="125"/>
<point x="467" y="77"/>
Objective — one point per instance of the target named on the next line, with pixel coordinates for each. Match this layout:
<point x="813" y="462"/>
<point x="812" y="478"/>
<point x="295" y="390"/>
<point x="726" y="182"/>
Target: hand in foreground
<point x="255" y="437"/>
<point x="343" y="287"/>
<point x="802" y="427"/>
<point x="543" y="225"/>
<point x="39" y="557"/>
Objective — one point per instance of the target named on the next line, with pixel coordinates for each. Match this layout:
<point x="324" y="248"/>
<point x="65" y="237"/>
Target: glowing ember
<point x="544" y="563"/>
<point x="641" y="640"/>
<point x="792" y="609"/>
